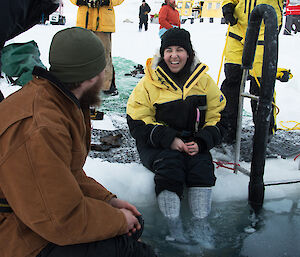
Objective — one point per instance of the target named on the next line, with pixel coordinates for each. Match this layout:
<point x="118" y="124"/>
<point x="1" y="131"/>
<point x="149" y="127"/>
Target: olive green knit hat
<point x="76" y="54"/>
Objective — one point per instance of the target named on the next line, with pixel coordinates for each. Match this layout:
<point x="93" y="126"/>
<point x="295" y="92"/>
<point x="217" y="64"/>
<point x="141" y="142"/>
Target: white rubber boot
<point x="169" y="205"/>
<point x="200" y="205"/>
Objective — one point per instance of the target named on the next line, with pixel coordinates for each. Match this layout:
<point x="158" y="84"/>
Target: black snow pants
<point x="120" y="246"/>
<point x="231" y="89"/>
<point x="174" y="170"/>
<point x="143" y="20"/>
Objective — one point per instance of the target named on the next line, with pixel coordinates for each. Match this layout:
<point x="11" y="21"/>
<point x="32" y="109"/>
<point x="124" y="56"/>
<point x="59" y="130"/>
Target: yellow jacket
<point x="157" y="101"/>
<point x="242" y="10"/>
<point x="234" y="49"/>
<point x="102" y="20"/>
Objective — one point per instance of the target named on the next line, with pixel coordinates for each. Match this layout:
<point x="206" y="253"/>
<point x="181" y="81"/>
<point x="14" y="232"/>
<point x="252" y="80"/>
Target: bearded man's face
<point x="92" y="96"/>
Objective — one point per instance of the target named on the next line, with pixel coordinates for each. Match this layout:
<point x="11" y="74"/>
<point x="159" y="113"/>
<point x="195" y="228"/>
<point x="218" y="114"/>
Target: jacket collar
<point x="43" y="73"/>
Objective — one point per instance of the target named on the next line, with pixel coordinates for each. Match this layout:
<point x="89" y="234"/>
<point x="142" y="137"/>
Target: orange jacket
<point x="44" y="141"/>
<point x="168" y="16"/>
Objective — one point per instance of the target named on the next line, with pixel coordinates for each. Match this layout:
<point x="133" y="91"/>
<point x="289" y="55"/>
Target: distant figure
<point x="168" y="17"/>
<point x="99" y="16"/>
<point x="143" y="15"/>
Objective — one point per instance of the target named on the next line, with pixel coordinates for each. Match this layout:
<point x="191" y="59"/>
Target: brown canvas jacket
<point x="44" y="141"/>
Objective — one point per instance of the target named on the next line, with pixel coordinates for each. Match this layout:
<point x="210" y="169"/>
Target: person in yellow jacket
<point x="99" y="16"/>
<point x="173" y="113"/>
<point x="236" y="13"/>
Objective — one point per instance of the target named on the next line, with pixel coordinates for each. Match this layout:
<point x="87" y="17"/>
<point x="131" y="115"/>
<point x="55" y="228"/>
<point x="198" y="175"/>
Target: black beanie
<point x="176" y="37"/>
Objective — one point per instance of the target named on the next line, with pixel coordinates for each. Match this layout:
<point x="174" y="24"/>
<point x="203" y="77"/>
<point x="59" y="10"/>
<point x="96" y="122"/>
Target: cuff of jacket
<point x="210" y="136"/>
<point x="162" y="136"/>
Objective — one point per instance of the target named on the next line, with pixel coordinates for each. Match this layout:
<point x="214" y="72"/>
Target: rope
<point x="296" y="127"/>
<point x="227" y="35"/>
<point x="296" y="157"/>
<point x="224" y="163"/>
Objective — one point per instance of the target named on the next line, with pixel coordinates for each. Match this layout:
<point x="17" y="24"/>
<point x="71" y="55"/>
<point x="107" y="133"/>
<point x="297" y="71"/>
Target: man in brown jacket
<point x="48" y="206"/>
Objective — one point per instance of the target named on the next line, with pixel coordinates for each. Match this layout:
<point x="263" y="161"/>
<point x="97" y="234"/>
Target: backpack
<point x="18" y="61"/>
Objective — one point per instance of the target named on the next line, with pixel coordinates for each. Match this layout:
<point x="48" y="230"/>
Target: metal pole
<point x="239" y="121"/>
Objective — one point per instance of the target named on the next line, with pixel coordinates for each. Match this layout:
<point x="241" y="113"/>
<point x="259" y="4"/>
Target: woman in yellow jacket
<point x="173" y="114"/>
<point x="99" y="16"/>
<point x="236" y="13"/>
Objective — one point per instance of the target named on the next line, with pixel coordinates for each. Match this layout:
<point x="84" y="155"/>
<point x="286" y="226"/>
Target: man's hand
<point x="94" y="3"/>
<point x="130" y="213"/>
<point x="120" y="204"/>
<point x="132" y="222"/>
<point x="228" y="10"/>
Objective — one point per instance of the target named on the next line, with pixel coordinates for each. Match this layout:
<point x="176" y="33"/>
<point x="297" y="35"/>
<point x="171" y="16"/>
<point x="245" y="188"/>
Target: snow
<point x="132" y="181"/>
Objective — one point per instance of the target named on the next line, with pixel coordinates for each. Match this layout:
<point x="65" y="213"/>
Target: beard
<point x="91" y="97"/>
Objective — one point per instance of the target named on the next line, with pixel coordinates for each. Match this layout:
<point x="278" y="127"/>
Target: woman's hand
<point x="179" y="145"/>
<point x="193" y="148"/>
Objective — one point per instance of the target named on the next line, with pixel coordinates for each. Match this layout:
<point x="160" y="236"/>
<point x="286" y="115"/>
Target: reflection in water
<point x="277" y="231"/>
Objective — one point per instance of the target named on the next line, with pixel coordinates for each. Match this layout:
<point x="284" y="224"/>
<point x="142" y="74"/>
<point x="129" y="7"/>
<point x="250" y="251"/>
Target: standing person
<point x="143" y="15"/>
<point x="168" y="17"/>
<point x="173" y="114"/>
<point x="99" y="16"/>
<point x="49" y="207"/>
<point x="236" y="14"/>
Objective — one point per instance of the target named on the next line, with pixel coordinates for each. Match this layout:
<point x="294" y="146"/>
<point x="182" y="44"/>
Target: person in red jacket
<point x="168" y="17"/>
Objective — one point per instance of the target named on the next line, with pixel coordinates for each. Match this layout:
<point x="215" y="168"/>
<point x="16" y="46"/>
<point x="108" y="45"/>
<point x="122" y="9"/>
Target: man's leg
<point x="120" y="246"/>
<point x="255" y="90"/>
<point x="231" y="89"/>
<point x="105" y="37"/>
<point x="146" y="25"/>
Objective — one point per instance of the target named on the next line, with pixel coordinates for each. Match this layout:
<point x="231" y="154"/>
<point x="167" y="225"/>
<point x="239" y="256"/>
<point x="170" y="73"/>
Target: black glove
<point x="93" y="3"/>
<point x="283" y="75"/>
<point x="228" y="10"/>
<point x="104" y="2"/>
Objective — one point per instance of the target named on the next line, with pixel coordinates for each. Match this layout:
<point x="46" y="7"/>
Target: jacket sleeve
<point x="46" y="196"/>
<point x="212" y="132"/>
<point x="162" y="18"/>
<point x="141" y="120"/>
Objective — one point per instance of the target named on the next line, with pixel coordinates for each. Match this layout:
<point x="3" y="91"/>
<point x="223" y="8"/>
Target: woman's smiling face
<point x="175" y="57"/>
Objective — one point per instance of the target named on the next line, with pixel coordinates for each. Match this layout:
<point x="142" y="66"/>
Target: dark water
<point x="277" y="232"/>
